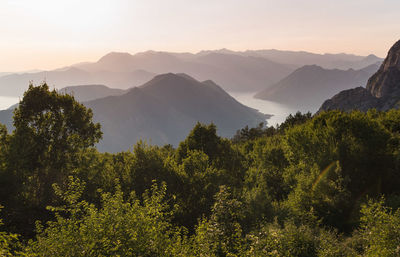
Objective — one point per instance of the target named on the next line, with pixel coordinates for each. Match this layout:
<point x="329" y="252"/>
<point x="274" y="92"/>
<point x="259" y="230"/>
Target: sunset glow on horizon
<point x="47" y="34"/>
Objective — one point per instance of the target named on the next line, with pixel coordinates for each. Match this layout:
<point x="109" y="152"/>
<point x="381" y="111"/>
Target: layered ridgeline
<point x="16" y="84"/>
<point x="162" y="111"/>
<point x="85" y="93"/>
<point x="123" y="70"/>
<point x="307" y="87"/>
<point x="250" y="71"/>
<point x="300" y="58"/>
<point x="382" y="91"/>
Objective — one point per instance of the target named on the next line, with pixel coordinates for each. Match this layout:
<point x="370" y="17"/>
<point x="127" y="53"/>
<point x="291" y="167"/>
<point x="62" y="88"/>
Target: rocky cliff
<point x="382" y="91"/>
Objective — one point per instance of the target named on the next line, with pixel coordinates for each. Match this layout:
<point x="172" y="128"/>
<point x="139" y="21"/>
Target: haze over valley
<point x="285" y="81"/>
<point x="200" y="128"/>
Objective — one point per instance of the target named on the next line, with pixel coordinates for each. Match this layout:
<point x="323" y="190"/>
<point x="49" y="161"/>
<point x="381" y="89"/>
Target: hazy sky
<point x="46" y="34"/>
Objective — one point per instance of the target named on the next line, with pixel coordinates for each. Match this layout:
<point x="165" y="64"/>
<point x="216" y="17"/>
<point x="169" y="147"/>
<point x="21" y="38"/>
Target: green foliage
<point x="8" y="243"/>
<point x="348" y="141"/>
<point x="380" y="228"/>
<point x="246" y="134"/>
<point x="291" y="240"/>
<point x="117" y="228"/>
<point x="51" y="131"/>
<point x="293" y="120"/>
<point x="221" y="235"/>
<point x="298" y="189"/>
<point x="219" y="150"/>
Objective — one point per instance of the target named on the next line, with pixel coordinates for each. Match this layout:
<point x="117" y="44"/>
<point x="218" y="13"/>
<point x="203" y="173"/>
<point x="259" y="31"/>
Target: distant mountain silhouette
<point x="310" y="85"/>
<point x="16" y="84"/>
<point x="301" y="58"/>
<point x="382" y="91"/>
<point x="91" y="92"/>
<point x="164" y="110"/>
<point x="5" y="73"/>
<point x="232" y="72"/>
<point x="161" y="111"/>
<point x="249" y="71"/>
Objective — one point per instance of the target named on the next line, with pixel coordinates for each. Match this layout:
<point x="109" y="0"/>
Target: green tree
<point x="221" y="235"/>
<point x="117" y="228"/>
<point x="380" y="228"/>
<point x="219" y="150"/>
<point x="51" y="130"/>
<point x="357" y="144"/>
<point x="8" y="242"/>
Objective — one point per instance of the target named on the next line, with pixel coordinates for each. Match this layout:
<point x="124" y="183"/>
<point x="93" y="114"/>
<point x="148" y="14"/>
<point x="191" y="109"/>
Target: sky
<point x="48" y="34"/>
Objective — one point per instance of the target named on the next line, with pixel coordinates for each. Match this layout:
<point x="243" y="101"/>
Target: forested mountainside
<point x="322" y="185"/>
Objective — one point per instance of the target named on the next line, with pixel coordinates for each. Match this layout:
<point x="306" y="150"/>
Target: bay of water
<point x="279" y="111"/>
<point x="6" y="102"/>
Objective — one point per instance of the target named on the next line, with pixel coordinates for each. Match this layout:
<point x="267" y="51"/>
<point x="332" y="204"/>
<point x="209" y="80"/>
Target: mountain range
<point x="161" y="111"/>
<point x="307" y="87"/>
<point x="248" y="71"/>
<point x="382" y="91"/>
<point x="232" y="72"/>
<point x="300" y="58"/>
<point x="86" y="93"/>
<point x="16" y="84"/>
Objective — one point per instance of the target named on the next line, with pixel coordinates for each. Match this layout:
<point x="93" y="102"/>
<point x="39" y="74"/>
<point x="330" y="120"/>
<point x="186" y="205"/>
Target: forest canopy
<point x="316" y="185"/>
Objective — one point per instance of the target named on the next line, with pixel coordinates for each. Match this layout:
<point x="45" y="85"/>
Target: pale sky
<point x="48" y="34"/>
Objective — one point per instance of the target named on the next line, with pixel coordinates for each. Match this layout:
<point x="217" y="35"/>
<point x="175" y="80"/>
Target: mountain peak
<point x="387" y="79"/>
<point x="312" y="67"/>
<point x="393" y="57"/>
<point x="382" y="91"/>
<point x="114" y="56"/>
<point x="168" y="75"/>
<point x="372" y="57"/>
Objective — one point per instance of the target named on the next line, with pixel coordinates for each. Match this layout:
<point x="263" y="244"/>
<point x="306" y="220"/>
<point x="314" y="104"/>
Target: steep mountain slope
<point x="165" y="109"/>
<point x="309" y="86"/>
<point x="16" y="84"/>
<point x="382" y="91"/>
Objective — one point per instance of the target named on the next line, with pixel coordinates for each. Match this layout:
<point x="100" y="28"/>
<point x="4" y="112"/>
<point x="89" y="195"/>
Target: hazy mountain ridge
<point x="161" y="111"/>
<point x="164" y="110"/>
<point x="250" y="71"/>
<point x="300" y="58"/>
<point x="382" y="91"/>
<point x="310" y="85"/>
<point x="83" y="93"/>
<point x="232" y="72"/>
<point x="16" y="84"/>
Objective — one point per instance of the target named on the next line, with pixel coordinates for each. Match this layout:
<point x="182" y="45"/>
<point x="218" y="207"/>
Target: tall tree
<point x="51" y="129"/>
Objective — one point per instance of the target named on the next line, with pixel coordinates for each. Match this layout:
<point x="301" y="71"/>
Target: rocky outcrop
<point x="382" y="91"/>
<point x="356" y="98"/>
